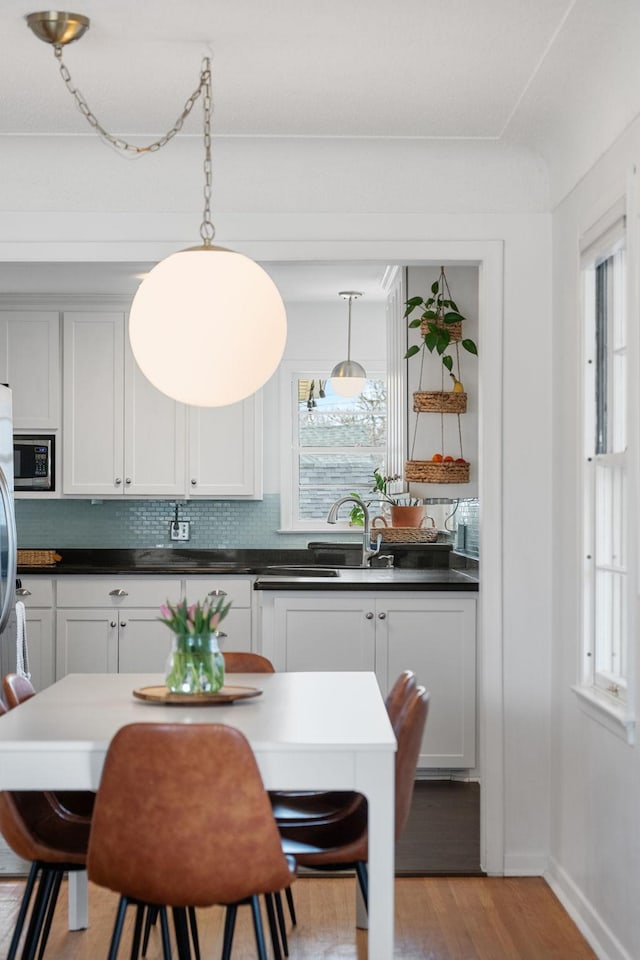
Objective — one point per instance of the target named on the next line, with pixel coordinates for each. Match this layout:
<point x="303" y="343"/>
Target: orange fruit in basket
<point x="437" y="458"/>
<point x="447" y="460"/>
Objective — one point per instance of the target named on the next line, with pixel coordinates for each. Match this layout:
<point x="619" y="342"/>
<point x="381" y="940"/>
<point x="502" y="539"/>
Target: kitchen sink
<point x="291" y="570"/>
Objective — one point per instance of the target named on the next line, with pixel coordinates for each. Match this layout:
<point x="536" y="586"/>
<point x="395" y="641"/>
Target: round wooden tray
<point x="226" y="694"/>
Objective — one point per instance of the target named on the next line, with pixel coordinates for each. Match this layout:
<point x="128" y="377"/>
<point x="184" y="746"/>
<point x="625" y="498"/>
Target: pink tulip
<point x="215" y="620"/>
<point x="164" y="610"/>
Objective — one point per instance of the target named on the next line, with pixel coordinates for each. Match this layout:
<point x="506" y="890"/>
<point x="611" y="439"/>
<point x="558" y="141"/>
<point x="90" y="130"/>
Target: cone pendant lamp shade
<point x="207" y="326"/>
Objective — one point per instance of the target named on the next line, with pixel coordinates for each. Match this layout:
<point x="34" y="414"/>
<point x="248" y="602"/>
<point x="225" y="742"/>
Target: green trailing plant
<point x="437" y="313"/>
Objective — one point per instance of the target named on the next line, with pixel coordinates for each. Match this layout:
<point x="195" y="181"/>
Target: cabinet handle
<point x="217" y="593"/>
<point x="382" y="616"/>
<point x="23" y="592"/>
<point x="113" y="624"/>
<point x="118" y="593"/>
<point x="222" y="635"/>
<point x="194" y="482"/>
<point x="128" y="480"/>
<point x="123" y="623"/>
<point x="369" y="615"/>
<point x="118" y="481"/>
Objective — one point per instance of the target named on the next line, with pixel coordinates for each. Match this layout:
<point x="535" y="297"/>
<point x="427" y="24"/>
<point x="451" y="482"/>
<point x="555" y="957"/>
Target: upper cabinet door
<point x="30" y="364"/>
<point x="154" y="437"/>
<point x="93" y="403"/>
<point x="225" y="450"/>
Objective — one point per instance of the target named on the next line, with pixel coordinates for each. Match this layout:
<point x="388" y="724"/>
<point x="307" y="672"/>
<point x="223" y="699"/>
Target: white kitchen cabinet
<point x="237" y="625"/>
<point x="121" y="435"/>
<point x="435" y="636"/>
<point x="110" y="624"/>
<point x="37" y="595"/>
<point x="225" y="450"/>
<point x="30" y="364"/>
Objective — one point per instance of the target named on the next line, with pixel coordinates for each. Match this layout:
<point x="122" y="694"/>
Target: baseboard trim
<point x="525" y="864"/>
<point x="591" y="925"/>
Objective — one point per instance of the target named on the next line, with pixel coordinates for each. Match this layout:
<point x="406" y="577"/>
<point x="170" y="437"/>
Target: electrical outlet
<point x="179" y="529"/>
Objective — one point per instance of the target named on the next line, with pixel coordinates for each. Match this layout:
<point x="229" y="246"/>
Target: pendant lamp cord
<point x="207" y="229"/>
<point x="349" y="332"/>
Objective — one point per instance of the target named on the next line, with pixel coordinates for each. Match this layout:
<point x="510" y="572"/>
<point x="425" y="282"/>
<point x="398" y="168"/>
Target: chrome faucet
<point x="368" y="550"/>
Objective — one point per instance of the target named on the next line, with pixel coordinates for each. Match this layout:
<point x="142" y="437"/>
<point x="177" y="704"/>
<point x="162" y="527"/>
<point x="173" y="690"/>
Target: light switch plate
<point x="180" y="529"/>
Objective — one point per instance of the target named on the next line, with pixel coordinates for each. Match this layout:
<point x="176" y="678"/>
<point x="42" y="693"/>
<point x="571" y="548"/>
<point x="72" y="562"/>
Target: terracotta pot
<point x="407" y="516"/>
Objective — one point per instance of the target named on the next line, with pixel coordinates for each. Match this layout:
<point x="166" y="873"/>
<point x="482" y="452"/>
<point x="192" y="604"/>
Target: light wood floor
<point x="464" y="918"/>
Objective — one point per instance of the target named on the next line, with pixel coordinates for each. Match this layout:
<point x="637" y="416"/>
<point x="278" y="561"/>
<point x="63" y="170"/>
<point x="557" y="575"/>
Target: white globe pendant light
<point x="207" y="326"/>
<point x="348" y="377"/>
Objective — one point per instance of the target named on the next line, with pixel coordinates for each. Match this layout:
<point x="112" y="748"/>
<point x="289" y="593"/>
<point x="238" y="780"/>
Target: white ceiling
<point x="553" y="75"/>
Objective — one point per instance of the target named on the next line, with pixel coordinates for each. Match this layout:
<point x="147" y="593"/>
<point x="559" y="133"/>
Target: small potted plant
<point x="405" y="511"/>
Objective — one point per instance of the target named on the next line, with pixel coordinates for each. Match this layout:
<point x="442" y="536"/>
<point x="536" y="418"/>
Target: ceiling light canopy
<point x="348" y="377"/>
<point x="207" y="326"/>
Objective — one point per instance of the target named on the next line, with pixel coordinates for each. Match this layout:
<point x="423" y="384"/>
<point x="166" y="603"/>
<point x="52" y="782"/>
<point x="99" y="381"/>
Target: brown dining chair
<point x="241" y="661"/>
<point x="41" y="832"/>
<point x="17" y="689"/>
<point x="342" y="843"/>
<point x="182" y="820"/>
<point x="298" y="809"/>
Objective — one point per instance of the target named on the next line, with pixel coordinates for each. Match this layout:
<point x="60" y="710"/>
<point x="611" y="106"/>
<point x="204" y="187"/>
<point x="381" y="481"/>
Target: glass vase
<point x="195" y="664"/>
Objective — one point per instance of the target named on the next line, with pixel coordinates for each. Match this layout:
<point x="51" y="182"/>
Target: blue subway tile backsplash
<point x="215" y="524"/>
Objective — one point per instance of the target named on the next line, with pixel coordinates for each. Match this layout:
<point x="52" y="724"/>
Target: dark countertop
<point x="430" y="567"/>
<point x="377" y="579"/>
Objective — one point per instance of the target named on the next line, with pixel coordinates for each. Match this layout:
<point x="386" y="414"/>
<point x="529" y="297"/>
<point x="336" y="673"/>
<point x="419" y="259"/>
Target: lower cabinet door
<point x="312" y="634"/>
<point x="86" y="642"/>
<point x="437" y="640"/>
<point x="143" y="642"/>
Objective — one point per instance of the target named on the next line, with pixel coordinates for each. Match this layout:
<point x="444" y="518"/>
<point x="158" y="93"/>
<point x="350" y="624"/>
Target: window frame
<point x="608" y="696"/>
<point x="290" y="373"/>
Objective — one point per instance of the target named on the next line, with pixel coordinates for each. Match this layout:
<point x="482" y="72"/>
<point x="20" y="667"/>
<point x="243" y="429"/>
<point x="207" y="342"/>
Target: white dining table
<point x="309" y="731"/>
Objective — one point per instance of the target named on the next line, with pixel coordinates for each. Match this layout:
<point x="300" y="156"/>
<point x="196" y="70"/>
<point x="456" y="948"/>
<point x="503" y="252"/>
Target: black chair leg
<point x="151" y="915"/>
<point x="38" y="913"/>
<point x="257" y="926"/>
<point x="117" y="928"/>
<point x="51" y="906"/>
<point x="24" y="907"/>
<point x="281" y="923"/>
<point x="273" y="928"/>
<point x="182" y="933"/>
<point x="166" y="940"/>
<point x="292" y="910"/>
<point x="229" y="927"/>
<point x="363" y="880"/>
<point x="137" y="930"/>
<point x="193" y="926"/>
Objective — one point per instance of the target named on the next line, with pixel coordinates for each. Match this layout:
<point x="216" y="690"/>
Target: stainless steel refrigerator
<point x="8" y="552"/>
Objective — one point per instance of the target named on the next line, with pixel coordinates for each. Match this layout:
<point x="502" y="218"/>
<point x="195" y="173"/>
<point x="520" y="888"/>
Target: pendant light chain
<point x="207" y="229"/>
<point x="122" y="146"/>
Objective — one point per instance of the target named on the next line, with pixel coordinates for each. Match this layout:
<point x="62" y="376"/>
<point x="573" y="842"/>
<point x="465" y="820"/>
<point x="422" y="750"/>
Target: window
<point x="606" y="471"/>
<point x="336" y="444"/>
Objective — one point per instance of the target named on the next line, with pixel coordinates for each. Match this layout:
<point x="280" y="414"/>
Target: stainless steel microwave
<point x="34" y="465"/>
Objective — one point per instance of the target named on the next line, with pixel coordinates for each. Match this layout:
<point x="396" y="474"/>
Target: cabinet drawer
<point x="237" y="590"/>
<point x="100" y="591"/>
<point x="40" y="592"/>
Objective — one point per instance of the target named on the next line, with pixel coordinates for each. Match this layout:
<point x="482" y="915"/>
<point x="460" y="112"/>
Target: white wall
<point x="392" y="201"/>
<point x="595" y="841"/>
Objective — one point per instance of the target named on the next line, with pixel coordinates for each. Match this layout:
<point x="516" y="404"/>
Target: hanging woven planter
<point x="439" y="401"/>
<point x="454" y="329"/>
<point x="430" y="471"/>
